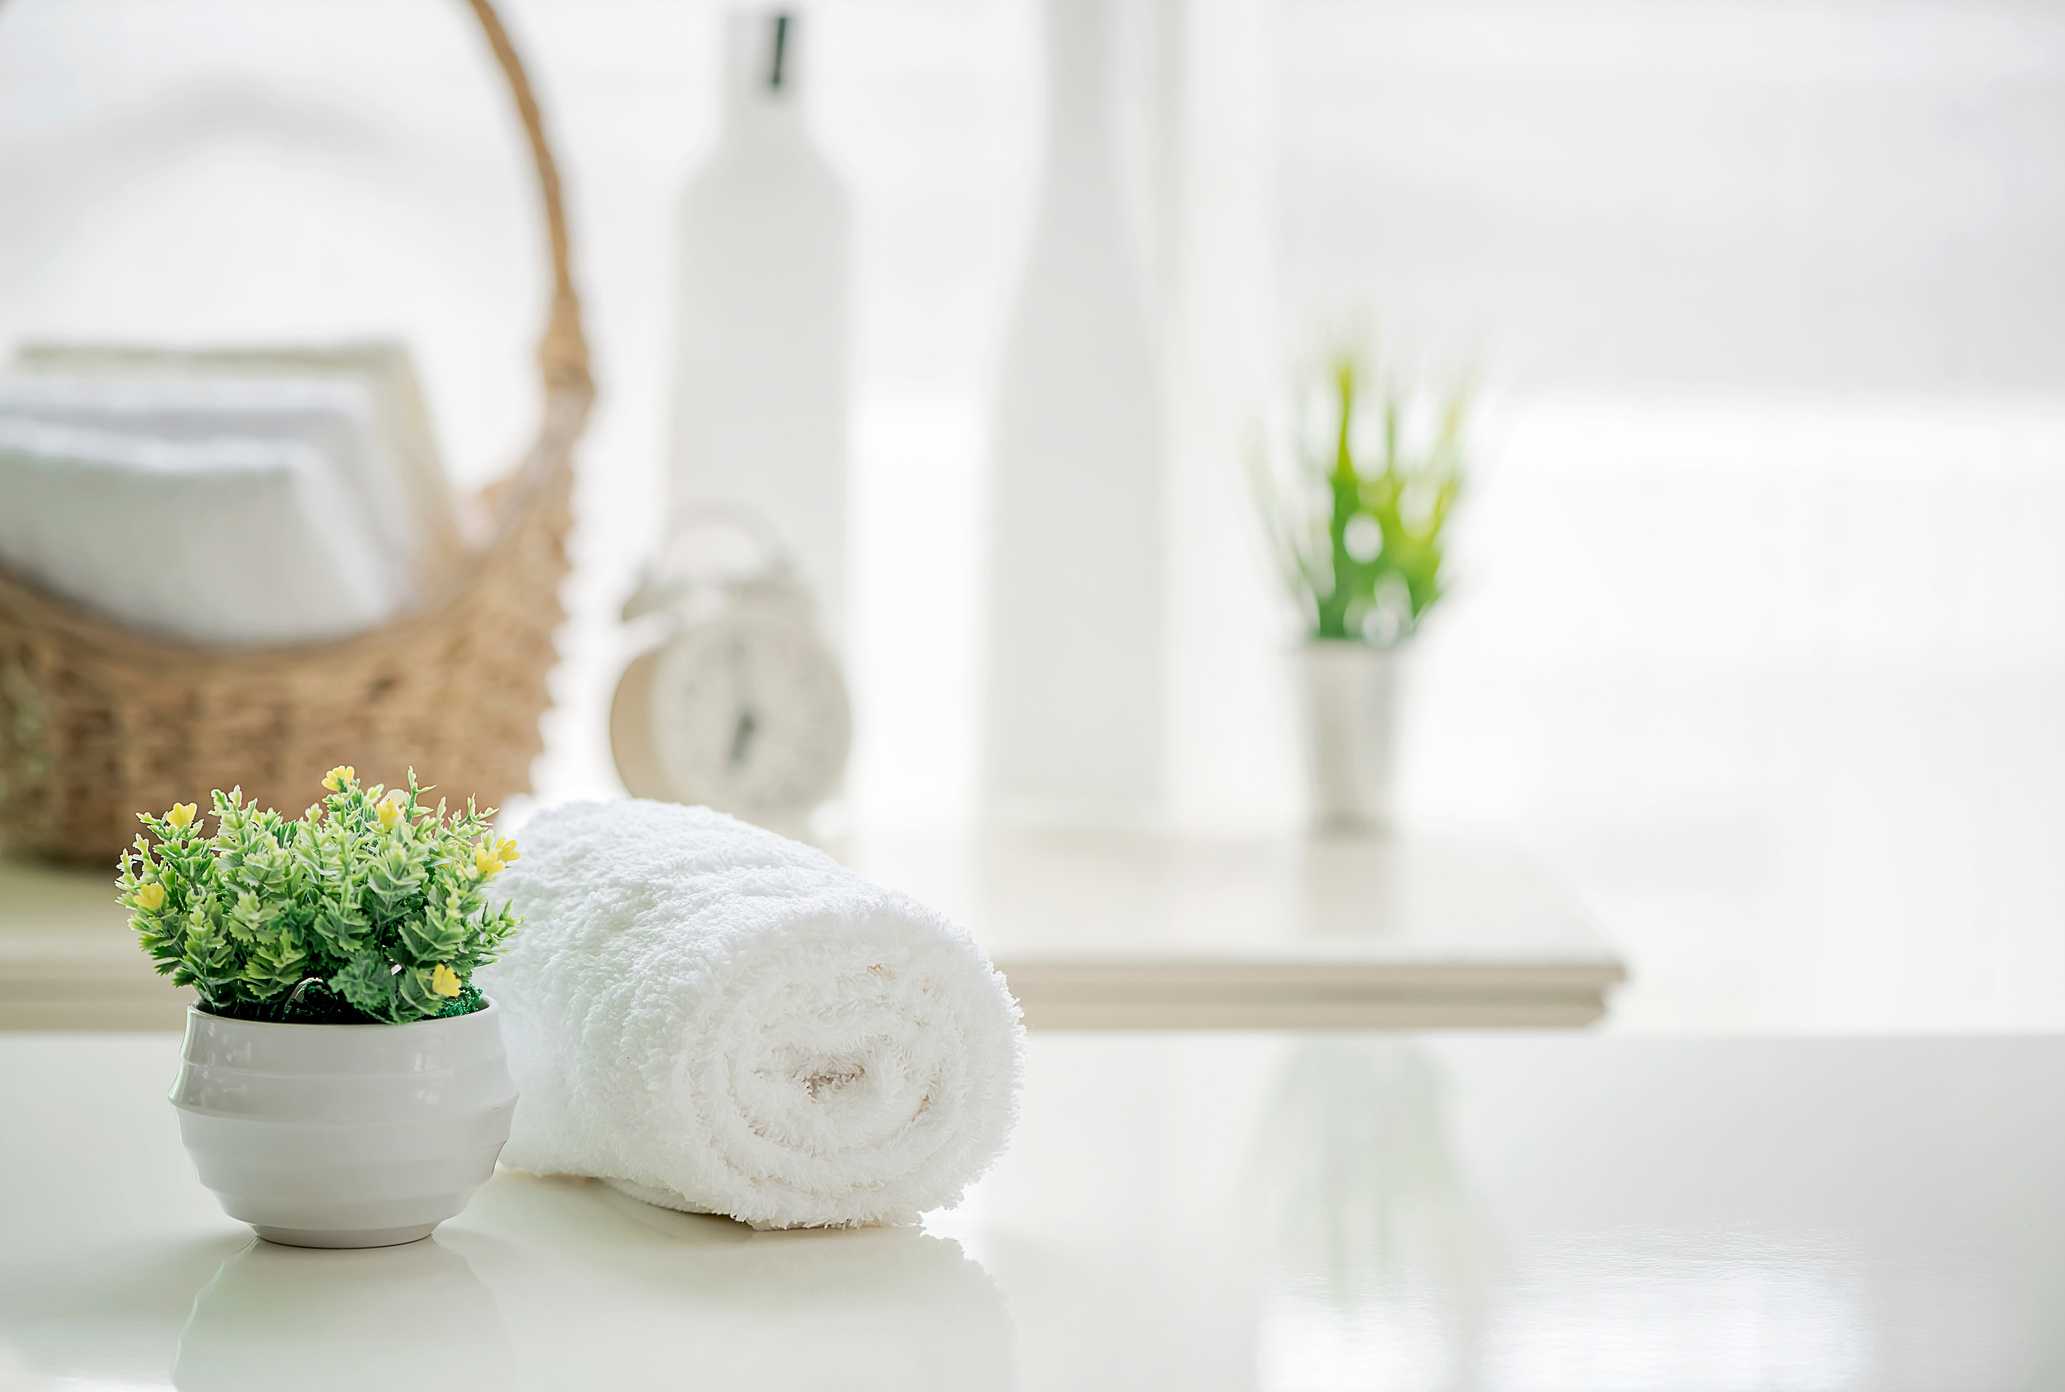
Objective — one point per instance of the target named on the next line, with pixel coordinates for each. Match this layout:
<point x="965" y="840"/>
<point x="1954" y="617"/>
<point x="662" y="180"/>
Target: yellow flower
<point x="336" y="779"/>
<point x="181" y="815"/>
<point x="505" y="850"/>
<point x="444" y="981"/>
<point x="151" y="897"/>
<point x="486" y="861"/>
<point x="390" y="809"/>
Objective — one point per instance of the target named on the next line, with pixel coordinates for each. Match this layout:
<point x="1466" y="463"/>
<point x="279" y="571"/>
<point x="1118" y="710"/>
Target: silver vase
<point x="1352" y="715"/>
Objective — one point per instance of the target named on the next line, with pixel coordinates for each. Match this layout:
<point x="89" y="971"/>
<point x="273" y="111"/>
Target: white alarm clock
<point x="738" y="706"/>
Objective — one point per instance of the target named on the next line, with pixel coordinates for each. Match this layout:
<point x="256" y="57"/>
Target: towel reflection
<point x="593" y="1273"/>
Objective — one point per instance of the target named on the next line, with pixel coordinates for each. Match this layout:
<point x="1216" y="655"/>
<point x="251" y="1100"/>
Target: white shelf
<point x="1092" y="931"/>
<point x="68" y="960"/>
<point x="1112" y="931"/>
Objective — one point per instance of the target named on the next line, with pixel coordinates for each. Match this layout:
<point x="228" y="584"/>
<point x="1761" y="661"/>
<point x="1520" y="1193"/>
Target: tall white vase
<point x="762" y="307"/>
<point x="1074" y="688"/>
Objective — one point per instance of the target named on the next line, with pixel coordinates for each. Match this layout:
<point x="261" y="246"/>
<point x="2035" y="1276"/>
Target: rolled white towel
<point x="719" y="1019"/>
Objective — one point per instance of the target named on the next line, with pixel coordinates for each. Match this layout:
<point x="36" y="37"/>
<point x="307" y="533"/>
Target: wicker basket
<point x="97" y="722"/>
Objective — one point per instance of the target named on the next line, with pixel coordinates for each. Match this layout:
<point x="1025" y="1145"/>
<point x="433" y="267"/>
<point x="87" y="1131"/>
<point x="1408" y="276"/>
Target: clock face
<point x="749" y="716"/>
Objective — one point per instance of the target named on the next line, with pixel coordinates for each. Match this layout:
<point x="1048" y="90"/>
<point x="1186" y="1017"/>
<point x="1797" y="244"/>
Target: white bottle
<point x="760" y="352"/>
<point x="1074" y="710"/>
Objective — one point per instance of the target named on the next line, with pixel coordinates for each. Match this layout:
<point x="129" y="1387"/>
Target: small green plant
<point x="1357" y="523"/>
<point x="370" y="908"/>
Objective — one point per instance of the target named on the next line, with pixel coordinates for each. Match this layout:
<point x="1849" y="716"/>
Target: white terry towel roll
<point x="719" y="1019"/>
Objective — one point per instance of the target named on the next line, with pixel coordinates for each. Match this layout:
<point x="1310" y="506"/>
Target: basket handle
<point x="563" y="352"/>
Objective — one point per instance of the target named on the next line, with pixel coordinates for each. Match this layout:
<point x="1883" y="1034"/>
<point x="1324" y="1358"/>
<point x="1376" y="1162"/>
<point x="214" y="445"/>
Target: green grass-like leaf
<point x="1357" y="526"/>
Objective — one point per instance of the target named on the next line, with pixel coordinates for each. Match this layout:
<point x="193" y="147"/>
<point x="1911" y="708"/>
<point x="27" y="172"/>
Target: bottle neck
<point x="761" y="88"/>
<point x="1080" y="126"/>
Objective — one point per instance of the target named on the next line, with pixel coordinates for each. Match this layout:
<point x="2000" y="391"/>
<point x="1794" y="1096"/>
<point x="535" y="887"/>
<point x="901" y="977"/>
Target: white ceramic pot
<point x="344" y="1135"/>
<point x="1352" y="715"/>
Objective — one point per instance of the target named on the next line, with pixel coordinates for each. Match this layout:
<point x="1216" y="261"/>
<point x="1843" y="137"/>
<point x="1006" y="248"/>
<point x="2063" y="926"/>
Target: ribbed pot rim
<point x="193" y="1009"/>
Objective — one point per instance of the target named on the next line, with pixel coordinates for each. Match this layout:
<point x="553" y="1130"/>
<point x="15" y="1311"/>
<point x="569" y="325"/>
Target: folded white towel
<point x="335" y="418"/>
<point x="719" y="1019"/>
<point x="384" y="370"/>
<point x="226" y="541"/>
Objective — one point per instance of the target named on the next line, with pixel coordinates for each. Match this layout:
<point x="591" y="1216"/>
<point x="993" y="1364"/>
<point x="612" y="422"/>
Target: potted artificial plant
<point x="1356" y="521"/>
<point x="343" y="1083"/>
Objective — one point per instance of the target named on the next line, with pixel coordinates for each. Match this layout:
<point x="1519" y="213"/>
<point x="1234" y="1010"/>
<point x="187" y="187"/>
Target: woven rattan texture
<point x="97" y="723"/>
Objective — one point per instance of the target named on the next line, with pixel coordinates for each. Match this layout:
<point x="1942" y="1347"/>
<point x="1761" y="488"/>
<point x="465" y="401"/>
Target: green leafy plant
<point x="1356" y="519"/>
<point x="370" y="908"/>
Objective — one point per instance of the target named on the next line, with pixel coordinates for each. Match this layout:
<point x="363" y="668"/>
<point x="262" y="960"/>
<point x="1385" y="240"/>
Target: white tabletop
<point x="1232" y="1211"/>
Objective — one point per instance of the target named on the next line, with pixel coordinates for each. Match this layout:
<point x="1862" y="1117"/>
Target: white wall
<point x="1758" y="634"/>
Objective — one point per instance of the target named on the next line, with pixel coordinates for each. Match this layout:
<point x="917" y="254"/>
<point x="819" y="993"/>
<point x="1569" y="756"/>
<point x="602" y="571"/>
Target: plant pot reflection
<point x="389" y="1317"/>
<point x="1371" y="1237"/>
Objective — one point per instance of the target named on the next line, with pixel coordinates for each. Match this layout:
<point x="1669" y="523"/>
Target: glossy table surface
<point x="1193" y="1211"/>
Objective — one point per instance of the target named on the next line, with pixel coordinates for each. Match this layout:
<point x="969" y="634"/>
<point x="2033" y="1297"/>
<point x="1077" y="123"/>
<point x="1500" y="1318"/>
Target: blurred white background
<point x="1758" y="632"/>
